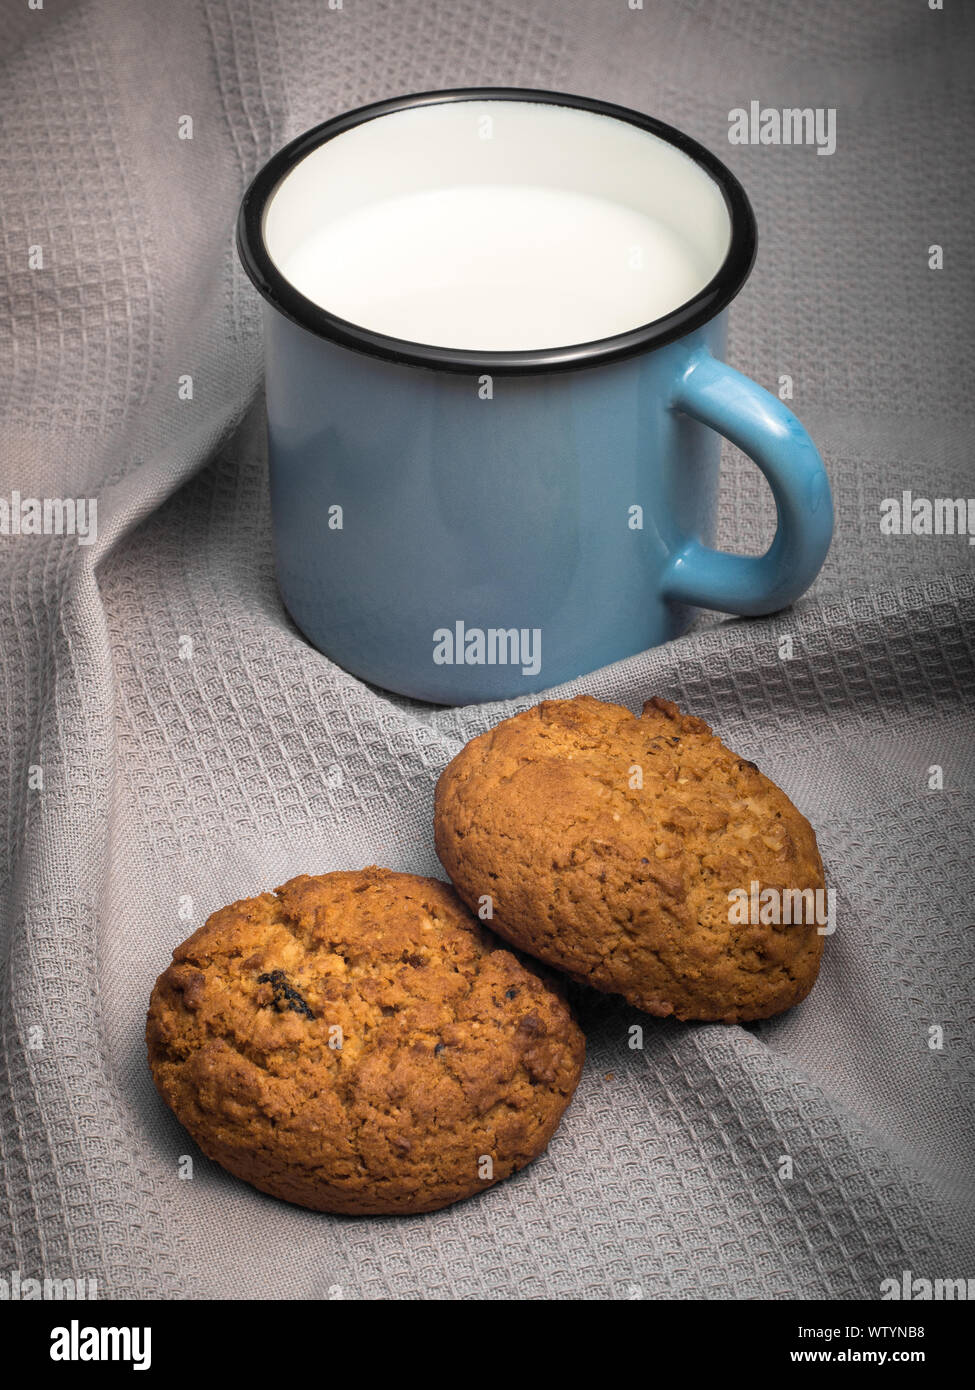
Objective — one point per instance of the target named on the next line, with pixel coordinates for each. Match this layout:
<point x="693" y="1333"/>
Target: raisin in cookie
<point x="358" y="1043"/>
<point x="625" y="851"/>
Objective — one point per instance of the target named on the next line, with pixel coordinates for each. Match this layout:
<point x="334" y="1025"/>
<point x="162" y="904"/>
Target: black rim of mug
<point x="705" y="305"/>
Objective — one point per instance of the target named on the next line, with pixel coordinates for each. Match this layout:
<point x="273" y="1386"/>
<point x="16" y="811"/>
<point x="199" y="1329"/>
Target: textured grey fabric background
<point x="209" y="779"/>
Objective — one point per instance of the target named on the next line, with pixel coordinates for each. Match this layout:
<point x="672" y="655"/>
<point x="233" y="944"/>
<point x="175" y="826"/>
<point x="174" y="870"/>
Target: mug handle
<point x="760" y="425"/>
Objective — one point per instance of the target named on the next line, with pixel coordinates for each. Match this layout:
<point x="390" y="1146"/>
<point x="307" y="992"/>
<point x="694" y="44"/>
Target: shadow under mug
<point x="460" y="525"/>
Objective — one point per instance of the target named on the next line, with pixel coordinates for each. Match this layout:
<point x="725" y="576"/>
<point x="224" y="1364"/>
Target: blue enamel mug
<point x="494" y="323"/>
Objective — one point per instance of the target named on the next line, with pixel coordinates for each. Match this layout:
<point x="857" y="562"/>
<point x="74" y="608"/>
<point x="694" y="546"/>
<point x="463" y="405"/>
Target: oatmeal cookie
<point x="358" y="1043"/>
<point x="635" y="854"/>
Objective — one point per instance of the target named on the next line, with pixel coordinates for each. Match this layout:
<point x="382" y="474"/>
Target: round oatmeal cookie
<point x="358" y="1043"/>
<point x="635" y="854"/>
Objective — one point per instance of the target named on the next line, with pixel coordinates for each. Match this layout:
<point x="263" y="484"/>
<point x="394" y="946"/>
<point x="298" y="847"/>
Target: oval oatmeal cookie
<point x="625" y="851"/>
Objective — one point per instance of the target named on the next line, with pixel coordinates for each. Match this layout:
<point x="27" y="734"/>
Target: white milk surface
<point x="496" y="267"/>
